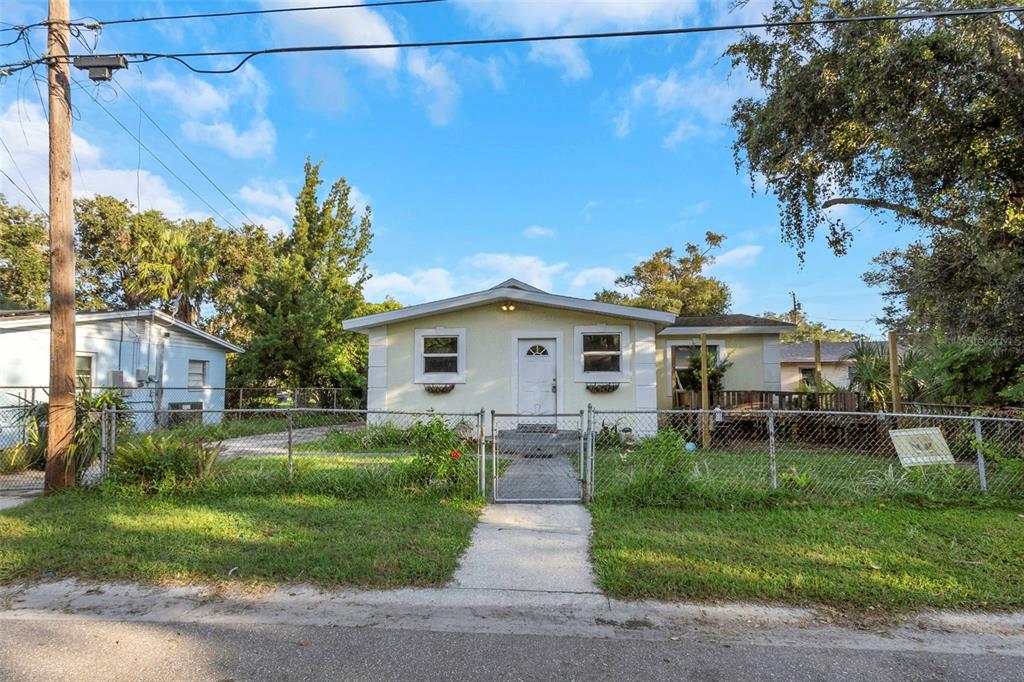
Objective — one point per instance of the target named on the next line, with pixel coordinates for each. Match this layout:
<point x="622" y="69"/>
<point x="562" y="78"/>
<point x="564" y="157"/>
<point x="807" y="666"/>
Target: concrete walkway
<point x="539" y="478"/>
<point x="534" y="547"/>
<point x="275" y="443"/>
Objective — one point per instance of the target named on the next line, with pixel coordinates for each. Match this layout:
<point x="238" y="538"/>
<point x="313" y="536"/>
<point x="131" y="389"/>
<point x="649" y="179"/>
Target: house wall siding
<point x="749" y="354"/>
<point x="490" y="360"/>
<point x="835" y="372"/>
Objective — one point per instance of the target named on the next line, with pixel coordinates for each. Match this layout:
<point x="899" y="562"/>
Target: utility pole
<point x="60" y="473"/>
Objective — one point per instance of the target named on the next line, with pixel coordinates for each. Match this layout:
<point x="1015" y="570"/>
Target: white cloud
<point x="490" y="268"/>
<point x="358" y="199"/>
<point x="567" y="55"/>
<point x="275" y="224"/>
<point x="437" y="84"/>
<point x="268" y="194"/>
<point x="210" y="111"/>
<point x="572" y="16"/>
<point x="256" y="141"/>
<point x="535" y="231"/>
<point x="693" y="104"/>
<point x="353" y="25"/>
<point x="738" y="257"/>
<point x="23" y="128"/>
<point x="417" y="287"/>
<point x="594" y="279"/>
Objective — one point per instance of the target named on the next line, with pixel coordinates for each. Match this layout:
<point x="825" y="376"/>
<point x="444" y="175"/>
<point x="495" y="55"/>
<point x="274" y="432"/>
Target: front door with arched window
<point x="536" y="376"/>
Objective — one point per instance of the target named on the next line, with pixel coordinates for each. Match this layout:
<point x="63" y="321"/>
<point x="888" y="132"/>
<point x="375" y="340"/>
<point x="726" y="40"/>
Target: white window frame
<point x="670" y="350"/>
<point x="92" y="370"/>
<point x="206" y="374"/>
<point x="422" y="377"/>
<point x="625" y="354"/>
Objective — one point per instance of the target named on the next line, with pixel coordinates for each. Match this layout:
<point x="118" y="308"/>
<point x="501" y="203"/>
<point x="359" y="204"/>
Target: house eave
<point x="746" y="329"/>
<point x="84" y="317"/>
<point x="508" y="294"/>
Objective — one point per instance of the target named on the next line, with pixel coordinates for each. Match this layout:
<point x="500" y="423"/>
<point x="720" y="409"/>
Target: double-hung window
<point x="440" y="356"/>
<point x="602" y="353"/>
<point x="83" y="372"/>
<point x="197" y="373"/>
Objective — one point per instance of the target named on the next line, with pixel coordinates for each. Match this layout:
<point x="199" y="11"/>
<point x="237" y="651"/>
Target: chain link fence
<point x="664" y="457"/>
<point x="677" y="456"/>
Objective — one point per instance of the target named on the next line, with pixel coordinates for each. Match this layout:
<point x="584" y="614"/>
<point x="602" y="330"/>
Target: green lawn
<point x="886" y="557"/>
<point x="307" y="537"/>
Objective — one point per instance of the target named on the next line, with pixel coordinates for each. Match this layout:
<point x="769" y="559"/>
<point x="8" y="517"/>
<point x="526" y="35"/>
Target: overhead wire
<point x="273" y="10"/>
<point x="180" y="57"/>
<point x="185" y="154"/>
<point x="152" y="153"/>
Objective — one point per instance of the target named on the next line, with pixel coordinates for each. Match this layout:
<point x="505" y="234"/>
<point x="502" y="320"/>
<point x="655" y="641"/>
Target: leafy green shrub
<point x="15" y="459"/>
<point x="162" y="462"/>
<point x="444" y="458"/>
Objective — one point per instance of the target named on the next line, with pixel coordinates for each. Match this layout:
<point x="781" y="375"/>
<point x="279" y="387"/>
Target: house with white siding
<point x="514" y="348"/>
<point x="156" y="361"/>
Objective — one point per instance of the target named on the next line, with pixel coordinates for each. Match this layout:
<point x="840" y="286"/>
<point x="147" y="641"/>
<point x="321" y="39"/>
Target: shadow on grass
<point x="302" y="536"/>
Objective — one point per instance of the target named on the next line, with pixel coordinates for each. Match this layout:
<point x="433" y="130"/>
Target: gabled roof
<point x="509" y="290"/>
<point x="17" y="319"/>
<point x="732" y="323"/>
<point x="831" y="351"/>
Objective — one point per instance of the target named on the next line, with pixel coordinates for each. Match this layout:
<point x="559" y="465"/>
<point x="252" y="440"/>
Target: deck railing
<point x="838" y="401"/>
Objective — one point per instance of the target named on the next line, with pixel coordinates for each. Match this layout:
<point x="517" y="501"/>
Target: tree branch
<point x="901" y="209"/>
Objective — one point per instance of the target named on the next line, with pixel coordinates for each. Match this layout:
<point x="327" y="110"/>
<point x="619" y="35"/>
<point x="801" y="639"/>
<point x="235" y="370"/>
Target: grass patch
<point x="285" y="537"/>
<point x="655" y="476"/>
<point x="885" y="557"/>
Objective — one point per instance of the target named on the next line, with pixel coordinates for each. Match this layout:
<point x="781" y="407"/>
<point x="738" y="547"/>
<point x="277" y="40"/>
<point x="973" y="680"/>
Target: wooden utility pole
<point x="705" y="401"/>
<point x="894" y="374"/>
<point x="60" y="472"/>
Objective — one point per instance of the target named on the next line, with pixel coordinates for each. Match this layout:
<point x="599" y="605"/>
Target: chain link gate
<point x="538" y="458"/>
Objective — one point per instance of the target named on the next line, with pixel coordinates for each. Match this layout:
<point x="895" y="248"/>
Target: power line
<point x="34" y="198"/>
<point x="238" y="13"/>
<point x="151" y="152"/>
<point x="7" y="69"/>
<point x="185" y="154"/>
<point x="27" y="196"/>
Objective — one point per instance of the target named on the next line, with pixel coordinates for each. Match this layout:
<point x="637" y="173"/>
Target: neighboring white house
<point x="797" y="362"/>
<point x="157" y="361"/>
<point x="516" y="349"/>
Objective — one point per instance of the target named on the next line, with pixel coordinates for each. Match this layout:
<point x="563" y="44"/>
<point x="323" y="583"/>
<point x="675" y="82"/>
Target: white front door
<point x="536" y="380"/>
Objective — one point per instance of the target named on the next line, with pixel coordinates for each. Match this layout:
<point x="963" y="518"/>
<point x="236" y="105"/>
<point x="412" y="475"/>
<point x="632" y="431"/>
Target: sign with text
<point x="920" y="447"/>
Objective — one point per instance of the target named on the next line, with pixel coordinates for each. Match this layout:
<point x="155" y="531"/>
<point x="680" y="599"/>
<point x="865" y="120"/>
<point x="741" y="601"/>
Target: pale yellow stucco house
<point x="516" y="349"/>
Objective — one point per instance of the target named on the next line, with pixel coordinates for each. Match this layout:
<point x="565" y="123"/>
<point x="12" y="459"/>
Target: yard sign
<point x="918" y="447"/>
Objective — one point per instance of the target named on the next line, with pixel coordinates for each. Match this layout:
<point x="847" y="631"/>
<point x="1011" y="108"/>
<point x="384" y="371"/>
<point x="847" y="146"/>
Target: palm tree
<point x="178" y="270"/>
<point x="870" y="372"/>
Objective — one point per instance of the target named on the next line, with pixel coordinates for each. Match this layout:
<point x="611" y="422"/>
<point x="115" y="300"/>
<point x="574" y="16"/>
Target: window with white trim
<point x="83" y="372"/>
<point x="602" y="353"/>
<point x="440" y="356"/>
<point x="197" y="373"/>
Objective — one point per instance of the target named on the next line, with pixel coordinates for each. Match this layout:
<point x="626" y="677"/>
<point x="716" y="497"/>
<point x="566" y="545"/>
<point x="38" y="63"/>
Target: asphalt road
<point x="76" y="648"/>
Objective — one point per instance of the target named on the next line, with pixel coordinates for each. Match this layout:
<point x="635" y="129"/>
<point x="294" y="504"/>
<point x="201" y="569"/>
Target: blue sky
<point x="561" y="164"/>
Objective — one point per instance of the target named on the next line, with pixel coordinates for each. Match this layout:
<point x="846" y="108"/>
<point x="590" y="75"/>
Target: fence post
<point x="291" y="467"/>
<point x="982" y="478"/>
<point x="589" y="440"/>
<point x="494" y="457"/>
<point x="581" y="452"/>
<point x="771" y="450"/>
<point x="104" y="416"/>
<point x="481" y="454"/>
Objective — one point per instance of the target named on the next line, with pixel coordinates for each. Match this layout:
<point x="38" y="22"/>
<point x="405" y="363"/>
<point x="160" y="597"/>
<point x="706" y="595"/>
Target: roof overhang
<point x="508" y="293"/>
<point x="746" y="329"/>
<point x="43" y="320"/>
